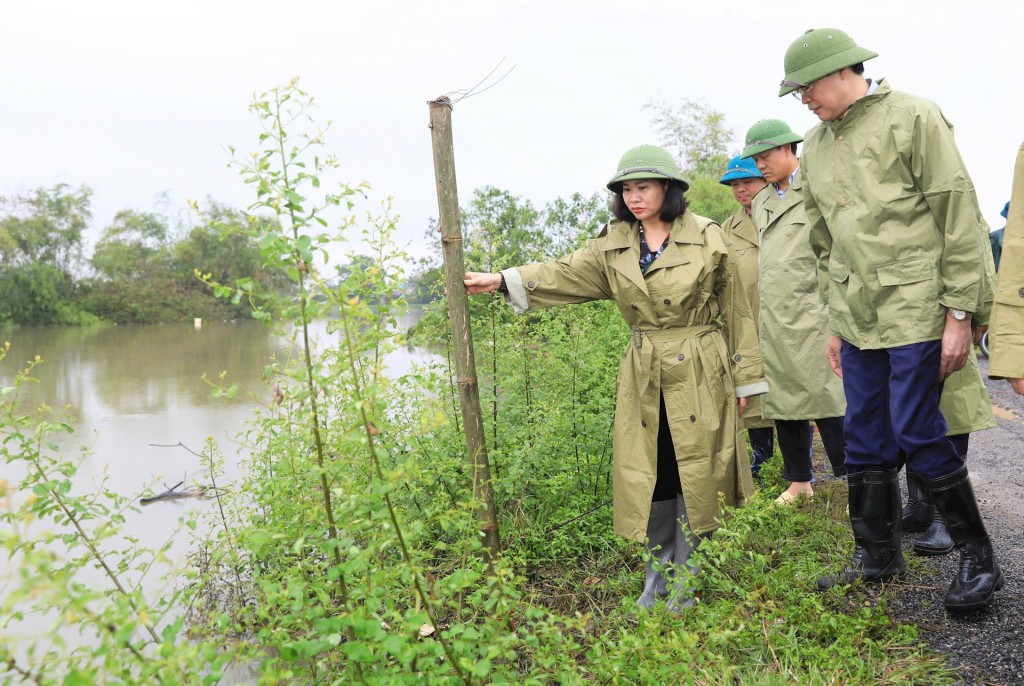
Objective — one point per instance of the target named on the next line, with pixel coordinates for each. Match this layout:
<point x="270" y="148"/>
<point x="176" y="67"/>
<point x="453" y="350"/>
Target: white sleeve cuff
<point x="516" y="292"/>
<point x="752" y="389"/>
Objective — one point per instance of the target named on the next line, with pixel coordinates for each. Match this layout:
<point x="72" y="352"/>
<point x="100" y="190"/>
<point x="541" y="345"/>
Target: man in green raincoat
<point x="895" y="226"/>
<point x="791" y="318"/>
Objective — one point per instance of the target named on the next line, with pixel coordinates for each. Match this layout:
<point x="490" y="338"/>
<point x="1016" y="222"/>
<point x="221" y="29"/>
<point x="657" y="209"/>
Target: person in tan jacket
<point x="1006" y="335"/>
<point x="682" y="384"/>
<point x="745" y="181"/>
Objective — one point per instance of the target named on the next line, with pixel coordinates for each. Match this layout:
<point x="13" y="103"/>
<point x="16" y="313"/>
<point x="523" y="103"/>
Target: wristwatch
<point x="958" y="315"/>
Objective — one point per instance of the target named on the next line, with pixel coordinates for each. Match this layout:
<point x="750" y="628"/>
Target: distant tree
<point x="502" y="230"/>
<point x="698" y="138"/>
<point x="217" y="245"/>
<point x="222" y="245"/>
<point x="569" y="223"/>
<point x="133" y="246"/>
<point x="695" y="134"/>
<point x="708" y="198"/>
<point x="40" y="254"/>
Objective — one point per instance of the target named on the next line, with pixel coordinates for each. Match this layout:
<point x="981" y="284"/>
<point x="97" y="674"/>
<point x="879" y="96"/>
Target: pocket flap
<point x="1011" y="294"/>
<point x="904" y="272"/>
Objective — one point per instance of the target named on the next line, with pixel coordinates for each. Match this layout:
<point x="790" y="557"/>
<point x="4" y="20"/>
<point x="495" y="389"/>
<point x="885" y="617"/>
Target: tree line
<point x="144" y="266"/>
<point x="142" y="269"/>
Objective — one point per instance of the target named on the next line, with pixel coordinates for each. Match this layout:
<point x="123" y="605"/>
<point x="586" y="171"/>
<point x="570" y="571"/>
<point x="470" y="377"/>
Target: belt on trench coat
<point x="643" y="355"/>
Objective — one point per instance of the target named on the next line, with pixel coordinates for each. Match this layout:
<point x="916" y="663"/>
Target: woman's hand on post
<point x="480" y="282"/>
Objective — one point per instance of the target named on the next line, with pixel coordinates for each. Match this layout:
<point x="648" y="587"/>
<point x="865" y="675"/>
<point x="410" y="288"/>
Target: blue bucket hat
<point x="740" y="168"/>
<point x="1006" y="210"/>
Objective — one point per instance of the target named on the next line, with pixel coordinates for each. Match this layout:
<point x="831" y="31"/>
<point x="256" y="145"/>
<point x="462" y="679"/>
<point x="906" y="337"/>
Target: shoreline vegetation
<point x="348" y="551"/>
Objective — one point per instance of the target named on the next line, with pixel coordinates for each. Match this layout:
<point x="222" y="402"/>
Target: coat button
<point x="840" y="136"/>
<point x="1021" y="292"/>
<point x="692" y="418"/>
<point x="737" y="358"/>
<point x="643" y="424"/>
<point x="633" y="306"/>
<point x="531" y="284"/>
<point x="667" y="301"/>
<point x="681" y="357"/>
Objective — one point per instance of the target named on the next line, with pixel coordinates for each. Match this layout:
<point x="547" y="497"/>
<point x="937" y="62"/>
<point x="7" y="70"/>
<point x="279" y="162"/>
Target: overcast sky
<point x="141" y="98"/>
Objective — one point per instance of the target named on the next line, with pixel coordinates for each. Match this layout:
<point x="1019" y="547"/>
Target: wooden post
<point x="458" y="308"/>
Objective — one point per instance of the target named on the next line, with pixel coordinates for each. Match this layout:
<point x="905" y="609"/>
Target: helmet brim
<point x="770" y="144"/>
<point x="737" y="174"/>
<point x="635" y="173"/>
<point x="833" y="63"/>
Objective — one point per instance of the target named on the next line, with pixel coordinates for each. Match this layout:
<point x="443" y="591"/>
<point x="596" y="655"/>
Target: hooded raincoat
<point x="893" y="220"/>
<point x="1006" y="337"/>
<point x="741" y="231"/>
<point x="676" y="350"/>
<point x="792" y="320"/>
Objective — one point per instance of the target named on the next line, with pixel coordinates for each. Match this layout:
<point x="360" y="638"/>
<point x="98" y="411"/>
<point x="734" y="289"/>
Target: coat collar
<point x="861" y="105"/>
<point x="624" y="239"/>
<point x="774" y="206"/>
<point x="742" y="226"/>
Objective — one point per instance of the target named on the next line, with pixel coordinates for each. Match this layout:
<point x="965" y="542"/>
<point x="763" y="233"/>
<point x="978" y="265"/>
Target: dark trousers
<point x="892" y="404"/>
<point x="762" y="447"/>
<point x="795" y="436"/>
<point x="960" y="442"/>
<point x="667" y="485"/>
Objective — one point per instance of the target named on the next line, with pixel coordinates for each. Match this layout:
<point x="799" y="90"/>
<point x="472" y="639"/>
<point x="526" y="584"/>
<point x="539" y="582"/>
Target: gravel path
<point x="986" y="647"/>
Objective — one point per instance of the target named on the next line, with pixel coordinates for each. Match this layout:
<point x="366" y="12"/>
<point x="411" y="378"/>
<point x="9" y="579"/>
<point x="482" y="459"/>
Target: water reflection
<point x="134" y="390"/>
<point x="139" y="369"/>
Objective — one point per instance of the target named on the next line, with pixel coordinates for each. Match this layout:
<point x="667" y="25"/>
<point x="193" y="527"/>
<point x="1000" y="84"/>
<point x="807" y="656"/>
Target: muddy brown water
<point x="138" y="400"/>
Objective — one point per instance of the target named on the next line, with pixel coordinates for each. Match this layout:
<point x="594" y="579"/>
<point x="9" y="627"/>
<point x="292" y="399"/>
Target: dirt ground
<point x="986" y="647"/>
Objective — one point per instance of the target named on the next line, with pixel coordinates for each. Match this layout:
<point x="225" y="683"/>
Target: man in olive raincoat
<point x="895" y="225"/>
<point x="792" y="319"/>
<point x="745" y="181"/>
<point x="1006" y="339"/>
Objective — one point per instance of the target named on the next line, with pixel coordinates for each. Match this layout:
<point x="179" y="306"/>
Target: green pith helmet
<point x="646" y="162"/>
<point x="817" y="53"/>
<point x="767" y="134"/>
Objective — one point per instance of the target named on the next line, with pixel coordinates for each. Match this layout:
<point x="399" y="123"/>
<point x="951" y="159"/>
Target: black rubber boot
<point x="875" y="518"/>
<point x="936" y="540"/>
<point x="979" y="577"/>
<point x="918" y="512"/>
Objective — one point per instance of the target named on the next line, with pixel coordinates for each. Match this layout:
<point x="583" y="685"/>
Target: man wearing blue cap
<point x="746" y="181"/>
<point x="791" y="318"/>
<point x="895" y="224"/>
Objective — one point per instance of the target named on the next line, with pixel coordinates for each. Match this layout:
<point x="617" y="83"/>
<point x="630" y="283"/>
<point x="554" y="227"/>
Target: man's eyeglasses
<point x="799" y="89"/>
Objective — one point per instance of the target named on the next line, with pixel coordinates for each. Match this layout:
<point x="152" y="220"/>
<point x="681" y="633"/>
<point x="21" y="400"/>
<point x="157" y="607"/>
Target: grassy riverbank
<point x="349" y="551"/>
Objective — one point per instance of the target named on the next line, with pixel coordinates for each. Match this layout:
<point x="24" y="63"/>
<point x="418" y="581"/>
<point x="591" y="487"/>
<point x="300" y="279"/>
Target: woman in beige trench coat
<point x="677" y="443"/>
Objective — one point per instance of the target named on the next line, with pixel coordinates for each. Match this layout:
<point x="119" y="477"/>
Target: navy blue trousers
<point x="892" y="404"/>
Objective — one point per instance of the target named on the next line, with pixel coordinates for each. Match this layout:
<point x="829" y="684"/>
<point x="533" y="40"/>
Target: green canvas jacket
<point x="894" y="221"/>
<point x="741" y="231"/>
<point x="676" y="349"/>
<point x="792" y="320"/>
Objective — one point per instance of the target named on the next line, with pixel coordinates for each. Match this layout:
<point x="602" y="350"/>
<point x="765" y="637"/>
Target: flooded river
<point x="141" y="409"/>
